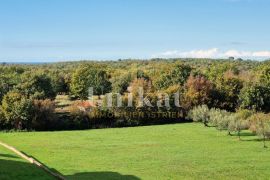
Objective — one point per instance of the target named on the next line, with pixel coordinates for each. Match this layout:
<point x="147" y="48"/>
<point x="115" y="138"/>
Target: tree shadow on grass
<point x="249" y="134"/>
<point x="8" y="156"/>
<point x="51" y="169"/>
<point x="256" y="139"/>
<point x="242" y="134"/>
<point x="22" y="170"/>
<point x="12" y="169"/>
<point x="101" y="176"/>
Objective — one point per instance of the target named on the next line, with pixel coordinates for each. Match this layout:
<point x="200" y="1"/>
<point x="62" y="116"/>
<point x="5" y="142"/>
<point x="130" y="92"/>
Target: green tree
<point x="265" y="76"/>
<point x="141" y="75"/>
<point x="37" y="85"/>
<point x="226" y="93"/>
<point x="4" y="87"/>
<point x="9" y="78"/>
<point x="255" y="97"/>
<point x="120" y="84"/>
<point x="17" y="110"/>
<point x="2" y="119"/>
<point x="60" y="82"/>
<point x="177" y="76"/>
<point x="88" y="76"/>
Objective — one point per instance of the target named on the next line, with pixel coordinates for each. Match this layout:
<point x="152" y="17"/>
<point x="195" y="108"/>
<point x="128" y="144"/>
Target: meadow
<point x="179" y="151"/>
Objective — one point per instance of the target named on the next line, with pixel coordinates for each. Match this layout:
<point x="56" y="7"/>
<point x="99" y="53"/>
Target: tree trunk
<point x="264" y="145"/>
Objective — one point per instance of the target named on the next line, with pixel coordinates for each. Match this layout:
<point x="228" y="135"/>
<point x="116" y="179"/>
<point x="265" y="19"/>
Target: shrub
<point x="101" y="118"/>
<point x="244" y="114"/>
<point x="200" y="114"/>
<point x="78" y="118"/>
<point x="44" y="115"/>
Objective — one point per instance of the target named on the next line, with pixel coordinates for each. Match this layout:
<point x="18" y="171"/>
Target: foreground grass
<point x="13" y="167"/>
<point x="179" y="151"/>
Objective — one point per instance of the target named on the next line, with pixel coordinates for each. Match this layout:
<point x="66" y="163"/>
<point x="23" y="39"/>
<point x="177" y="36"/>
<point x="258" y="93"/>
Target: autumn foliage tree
<point x="197" y="91"/>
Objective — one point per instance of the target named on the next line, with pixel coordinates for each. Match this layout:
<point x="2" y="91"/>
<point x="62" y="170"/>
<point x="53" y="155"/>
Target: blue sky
<point x="56" y="30"/>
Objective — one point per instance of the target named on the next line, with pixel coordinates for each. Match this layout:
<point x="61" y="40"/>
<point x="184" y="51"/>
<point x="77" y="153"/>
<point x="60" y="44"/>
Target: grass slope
<point x="179" y="151"/>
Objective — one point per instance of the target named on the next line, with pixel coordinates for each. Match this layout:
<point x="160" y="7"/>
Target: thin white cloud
<point x="261" y="54"/>
<point x="213" y="53"/>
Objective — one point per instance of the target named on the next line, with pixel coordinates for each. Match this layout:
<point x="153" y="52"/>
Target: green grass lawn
<point x="179" y="151"/>
<point x="13" y="167"/>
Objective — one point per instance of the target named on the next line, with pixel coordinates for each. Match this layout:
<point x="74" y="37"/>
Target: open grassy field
<point x="178" y="151"/>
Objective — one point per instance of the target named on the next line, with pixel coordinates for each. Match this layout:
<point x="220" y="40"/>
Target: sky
<point x="62" y="30"/>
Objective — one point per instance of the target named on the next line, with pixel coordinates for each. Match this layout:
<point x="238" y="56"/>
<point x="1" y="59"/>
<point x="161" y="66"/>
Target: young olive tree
<point x="223" y="123"/>
<point x="200" y="114"/>
<point x="220" y="119"/>
<point x="261" y="122"/>
<point x="239" y="121"/>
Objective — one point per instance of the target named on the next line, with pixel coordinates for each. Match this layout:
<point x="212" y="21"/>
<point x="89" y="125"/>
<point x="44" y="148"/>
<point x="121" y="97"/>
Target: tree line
<point x="28" y="92"/>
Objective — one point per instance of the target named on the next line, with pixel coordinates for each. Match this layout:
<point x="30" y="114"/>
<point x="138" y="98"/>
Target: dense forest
<point x="29" y="92"/>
